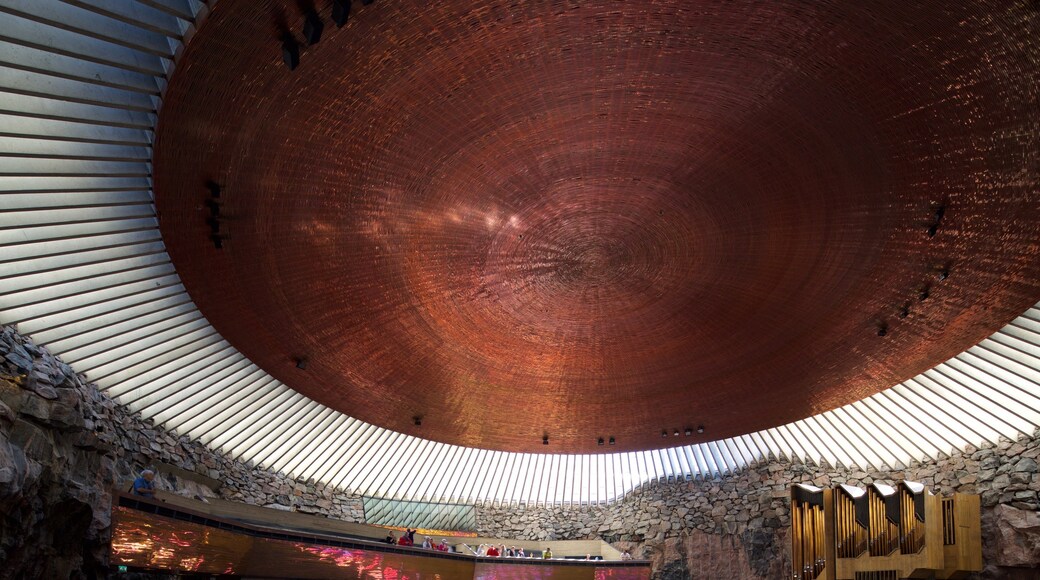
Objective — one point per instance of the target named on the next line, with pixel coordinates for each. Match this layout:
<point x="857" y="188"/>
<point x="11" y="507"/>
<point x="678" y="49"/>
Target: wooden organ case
<point x="883" y="533"/>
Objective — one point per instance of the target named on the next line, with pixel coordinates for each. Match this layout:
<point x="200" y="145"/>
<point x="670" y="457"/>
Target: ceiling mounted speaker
<point x="312" y="27"/>
<point x="340" y="12"/>
<point x="290" y="52"/>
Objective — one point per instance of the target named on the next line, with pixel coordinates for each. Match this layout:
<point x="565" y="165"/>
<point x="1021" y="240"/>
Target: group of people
<point x="408" y="539"/>
<point x="493" y="551"/>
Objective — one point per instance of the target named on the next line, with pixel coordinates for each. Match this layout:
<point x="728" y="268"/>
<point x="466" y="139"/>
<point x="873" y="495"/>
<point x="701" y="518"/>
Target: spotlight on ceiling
<point x="312" y="27"/>
<point x="664" y="433"/>
<point x="367" y="2"/>
<point x="340" y="12"/>
<point x="904" y="311"/>
<point x="944" y="273"/>
<point x="545" y="439"/>
<point x="611" y="440"/>
<point x="301" y="363"/>
<point x="882" y="330"/>
<point x="290" y="52"/>
<point x="700" y="428"/>
<point x="688" y="432"/>
<point x="599" y="441"/>
<point x="924" y="294"/>
<point x="417" y="420"/>
<point x="676" y="434"/>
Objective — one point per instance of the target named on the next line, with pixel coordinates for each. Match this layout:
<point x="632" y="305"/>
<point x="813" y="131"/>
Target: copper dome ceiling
<point x="613" y="219"/>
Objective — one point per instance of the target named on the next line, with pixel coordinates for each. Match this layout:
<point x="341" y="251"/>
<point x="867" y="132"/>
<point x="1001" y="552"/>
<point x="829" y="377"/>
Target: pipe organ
<point x="851" y="533"/>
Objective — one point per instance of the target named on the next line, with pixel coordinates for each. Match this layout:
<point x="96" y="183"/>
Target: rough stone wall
<point x="737" y="526"/>
<point x="64" y="448"/>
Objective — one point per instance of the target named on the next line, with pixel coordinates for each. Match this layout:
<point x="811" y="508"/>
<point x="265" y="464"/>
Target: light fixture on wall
<point x="700" y="428"/>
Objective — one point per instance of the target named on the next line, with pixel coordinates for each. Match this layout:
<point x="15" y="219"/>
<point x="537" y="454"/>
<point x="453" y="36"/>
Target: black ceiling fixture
<point x="312" y="27"/>
<point x="340" y="12"/>
<point x="290" y="52"/>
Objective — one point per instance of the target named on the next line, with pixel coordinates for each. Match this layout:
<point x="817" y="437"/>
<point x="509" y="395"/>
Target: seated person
<point x="426" y="543"/>
<point x="626" y="555"/>
<point x="390" y="539"/>
<point x="443" y="547"/>
<point x="520" y="553"/>
<point x="547" y="554"/>
<point x="404" y="541"/>
<point x="144" y="485"/>
<point x="492" y="551"/>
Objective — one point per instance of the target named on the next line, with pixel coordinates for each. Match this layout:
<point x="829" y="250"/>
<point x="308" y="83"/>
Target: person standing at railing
<point x="144" y="485"/>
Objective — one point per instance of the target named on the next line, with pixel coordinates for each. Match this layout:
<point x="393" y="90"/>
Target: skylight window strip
<point x="141" y="338"/>
<point x="873" y="435"/>
<point x="581" y="482"/>
<point x="251" y="442"/>
<point x="840" y="418"/>
<point x="235" y="435"/>
<point x="752" y="452"/>
<point x="187" y="404"/>
<point x="705" y="468"/>
<point x="361" y="462"/>
<point x="134" y="14"/>
<point x="488" y="485"/>
<point x="683" y="461"/>
<point x="839" y="446"/>
<point x="57" y="305"/>
<point x="304" y="465"/>
<point x="915" y="426"/>
<point x="916" y="443"/>
<point x="520" y="484"/>
<point x="541" y="477"/>
<point x="716" y="455"/>
<point x="966" y="410"/>
<point x="1018" y="376"/>
<point x="915" y="405"/>
<point x="949" y="378"/>
<point x="553" y="482"/>
<point x="201" y="419"/>
<point x="464" y="460"/>
<point x="800" y="430"/>
<point x="732" y="465"/>
<point x="111" y="326"/>
<point x="794" y="451"/>
<point x="150" y="361"/>
<point x="1013" y="347"/>
<point x="287" y="434"/>
<point x="103" y="317"/>
<point x="332" y="470"/>
<point x="155" y="396"/>
<point x="392" y="484"/>
<point x="51" y="17"/>
<point x="691" y="460"/>
<point x="476" y="487"/>
<point x="434" y="471"/>
<point x="371" y="473"/>
<point x="1012" y="409"/>
<point x="948" y="411"/>
<point x="901" y="435"/>
<point x="78" y="272"/>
